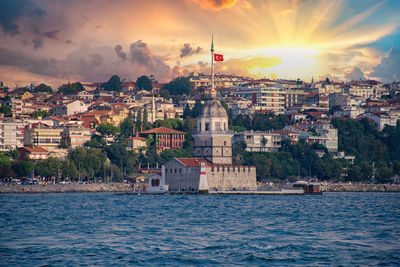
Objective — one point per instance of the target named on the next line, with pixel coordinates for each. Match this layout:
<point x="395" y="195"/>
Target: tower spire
<point x="213" y="93"/>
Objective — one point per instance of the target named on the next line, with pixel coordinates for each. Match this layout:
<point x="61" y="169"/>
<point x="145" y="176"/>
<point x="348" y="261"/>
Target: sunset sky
<point x="55" y="41"/>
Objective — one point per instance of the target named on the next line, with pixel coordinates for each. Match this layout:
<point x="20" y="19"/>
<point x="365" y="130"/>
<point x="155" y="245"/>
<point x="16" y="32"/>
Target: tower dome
<point x="213" y="109"/>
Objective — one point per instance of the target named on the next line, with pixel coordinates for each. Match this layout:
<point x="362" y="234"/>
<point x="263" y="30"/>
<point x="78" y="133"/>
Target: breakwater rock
<point x="66" y="188"/>
<point x="339" y="187"/>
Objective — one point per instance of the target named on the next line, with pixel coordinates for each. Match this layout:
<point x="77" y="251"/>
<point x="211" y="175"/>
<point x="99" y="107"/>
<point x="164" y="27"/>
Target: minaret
<point x="213" y="140"/>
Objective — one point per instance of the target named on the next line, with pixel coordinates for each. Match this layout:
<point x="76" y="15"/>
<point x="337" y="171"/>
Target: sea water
<point x="107" y="229"/>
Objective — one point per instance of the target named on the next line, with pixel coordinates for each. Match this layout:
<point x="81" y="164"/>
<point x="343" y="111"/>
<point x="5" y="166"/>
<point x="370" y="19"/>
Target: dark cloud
<point x="52" y="34"/>
<point x="389" y="68"/>
<point x="120" y="53"/>
<point x="37" y="43"/>
<point x="187" y="50"/>
<point x="140" y="53"/>
<point x="12" y="11"/>
<point x="90" y="64"/>
<point x="355" y="75"/>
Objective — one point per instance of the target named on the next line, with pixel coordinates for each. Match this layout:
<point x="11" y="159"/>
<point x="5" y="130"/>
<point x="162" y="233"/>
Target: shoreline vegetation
<point x="124" y="187"/>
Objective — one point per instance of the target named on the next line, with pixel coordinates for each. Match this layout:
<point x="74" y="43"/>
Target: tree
<point x="179" y="86"/>
<point x="40" y="113"/>
<point x="48" y="167"/>
<point x="144" y="83"/>
<point x="126" y="127"/>
<point x="113" y="84"/>
<point x="71" y="88"/>
<point x="139" y="120"/>
<point x="6" y="110"/>
<point x="164" y="93"/>
<point x="43" y="88"/>
<point x="153" y="79"/>
<point x="69" y="170"/>
<point x="89" y="162"/>
<point x="96" y="141"/>
<point x="107" y="129"/>
<point x="23" y="168"/>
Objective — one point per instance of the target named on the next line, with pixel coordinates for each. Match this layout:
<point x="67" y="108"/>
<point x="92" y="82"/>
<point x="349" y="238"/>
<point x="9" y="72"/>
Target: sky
<point x="56" y="41"/>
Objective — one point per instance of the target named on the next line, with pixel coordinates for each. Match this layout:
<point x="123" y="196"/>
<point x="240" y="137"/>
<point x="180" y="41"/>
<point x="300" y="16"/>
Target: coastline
<point x="65" y="188"/>
<point x="123" y="187"/>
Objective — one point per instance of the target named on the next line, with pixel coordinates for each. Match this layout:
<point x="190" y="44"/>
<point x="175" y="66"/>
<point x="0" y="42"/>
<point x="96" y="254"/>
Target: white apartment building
<point x="11" y="135"/>
<point x="70" y="108"/>
<point x="267" y="141"/>
<point x="264" y="96"/>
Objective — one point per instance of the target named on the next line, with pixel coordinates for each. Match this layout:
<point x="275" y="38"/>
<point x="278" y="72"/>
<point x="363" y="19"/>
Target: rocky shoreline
<point x="65" y="188"/>
<point x="123" y="187"/>
<point x="360" y="187"/>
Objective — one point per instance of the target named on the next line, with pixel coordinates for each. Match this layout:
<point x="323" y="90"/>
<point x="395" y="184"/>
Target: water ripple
<point x="105" y="229"/>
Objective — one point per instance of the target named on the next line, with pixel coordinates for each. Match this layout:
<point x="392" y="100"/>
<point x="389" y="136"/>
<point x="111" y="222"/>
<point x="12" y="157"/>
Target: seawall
<point x="360" y="188"/>
<point x="122" y="187"/>
<point x="66" y="188"/>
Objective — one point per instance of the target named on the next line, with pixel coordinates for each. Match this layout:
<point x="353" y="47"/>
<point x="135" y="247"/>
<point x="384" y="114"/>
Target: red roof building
<point x="33" y="153"/>
<point x="166" y="138"/>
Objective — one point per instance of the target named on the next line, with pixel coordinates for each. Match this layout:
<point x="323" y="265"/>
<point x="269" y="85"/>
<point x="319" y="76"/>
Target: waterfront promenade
<point x="124" y="187"/>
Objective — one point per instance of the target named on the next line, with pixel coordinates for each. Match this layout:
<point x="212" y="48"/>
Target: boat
<point x="310" y="188"/>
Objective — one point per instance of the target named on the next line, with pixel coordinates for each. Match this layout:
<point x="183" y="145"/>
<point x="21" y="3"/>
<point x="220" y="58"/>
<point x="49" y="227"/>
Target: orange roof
<point x="162" y="130"/>
<point x="193" y="162"/>
<point x="96" y="113"/>
<point x="136" y="138"/>
<point x="36" y="149"/>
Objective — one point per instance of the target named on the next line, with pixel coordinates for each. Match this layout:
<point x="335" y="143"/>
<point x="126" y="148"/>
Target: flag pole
<point x="212" y="67"/>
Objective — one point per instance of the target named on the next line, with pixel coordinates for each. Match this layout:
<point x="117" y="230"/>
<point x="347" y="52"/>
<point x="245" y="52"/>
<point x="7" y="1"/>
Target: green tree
<point x="23" y="168"/>
<point x="113" y="84"/>
<point x="43" y="88"/>
<point x="96" y="141"/>
<point x="6" y="110"/>
<point x="179" y="86"/>
<point x="48" y="167"/>
<point x="69" y="170"/>
<point x="126" y="127"/>
<point x="40" y="113"/>
<point x="107" y="129"/>
<point x="71" y="88"/>
<point x="139" y="120"/>
<point x="164" y="93"/>
<point x="144" y="83"/>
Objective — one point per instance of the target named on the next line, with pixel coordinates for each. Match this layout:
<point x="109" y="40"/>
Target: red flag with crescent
<point x="218" y="57"/>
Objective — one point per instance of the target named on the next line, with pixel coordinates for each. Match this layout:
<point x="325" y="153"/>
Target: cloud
<point x="389" y="68"/>
<point x="12" y="11"/>
<point x="52" y="34"/>
<point x="37" y="43"/>
<point x="121" y="54"/>
<point x="187" y="50"/>
<point x="215" y="4"/>
<point x="355" y="75"/>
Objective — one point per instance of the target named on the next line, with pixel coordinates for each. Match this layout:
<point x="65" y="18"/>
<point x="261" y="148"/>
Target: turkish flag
<point x="218" y="57"/>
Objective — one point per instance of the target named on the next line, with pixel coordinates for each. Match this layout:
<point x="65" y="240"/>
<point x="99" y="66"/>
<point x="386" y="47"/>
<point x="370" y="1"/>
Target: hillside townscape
<point x="117" y="129"/>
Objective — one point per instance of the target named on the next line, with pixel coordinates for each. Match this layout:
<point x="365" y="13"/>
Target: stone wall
<point x="227" y="178"/>
<point x="66" y="188"/>
<point x="181" y="178"/>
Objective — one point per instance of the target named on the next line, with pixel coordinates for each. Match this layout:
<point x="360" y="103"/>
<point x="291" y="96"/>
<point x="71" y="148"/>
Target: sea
<point x="106" y="229"/>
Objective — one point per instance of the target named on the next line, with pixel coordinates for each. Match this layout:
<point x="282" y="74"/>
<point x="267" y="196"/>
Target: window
<point x="217" y="126"/>
<point x="207" y="126"/>
<point x="199" y="126"/>
<point x="224" y="143"/>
